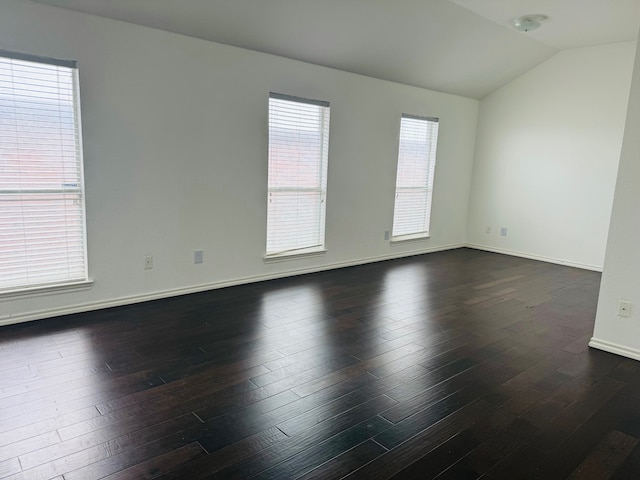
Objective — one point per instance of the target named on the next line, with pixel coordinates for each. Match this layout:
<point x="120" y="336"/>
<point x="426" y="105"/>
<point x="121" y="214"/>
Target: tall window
<point x="298" y="153"/>
<point x="414" y="180"/>
<point x="42" y="225"/>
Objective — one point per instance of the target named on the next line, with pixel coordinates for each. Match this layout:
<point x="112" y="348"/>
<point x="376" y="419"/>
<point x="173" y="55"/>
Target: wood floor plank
<point x="83" y="396"/>
<point x="426" y="398"/>
<point x="359" y="418"/>
<point x="29" y="425"/>
<point x="226" y="457"/>
<point x="346" y="462"/>
<point x="630" y="467"/>
<point x="482" y="459"/>
<point x="394" y="461"/>
<point x="115" y="463"/>
<point x="122" y="438"/>
<point x="586" y="438"/>
<point x="312" y="386"/>
<point x="31" y="444"/>
<point x="432" y="378"/>
<point x="156" y="466"/>
<point x="9" y="467"/>
<point x="427" y="417"/>
<point x="359" y="398"/>
<point x="316" y="455"/>
<point x="605" y="459"/>
<point x="570" y="418"/>
<point x="522" y="462"/>
<point x="439" y="459"/>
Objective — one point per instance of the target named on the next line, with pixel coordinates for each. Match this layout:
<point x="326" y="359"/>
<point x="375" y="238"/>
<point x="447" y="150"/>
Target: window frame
<point x="320" y="188"/>
<point x="430" y="159"/>
<point x="76" y="282"/>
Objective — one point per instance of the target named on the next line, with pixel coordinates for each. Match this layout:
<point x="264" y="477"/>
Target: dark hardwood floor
<point x="454" y="365"/>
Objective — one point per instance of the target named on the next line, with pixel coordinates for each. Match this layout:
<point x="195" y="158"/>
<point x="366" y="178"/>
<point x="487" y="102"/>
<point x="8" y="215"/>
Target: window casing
<point x="297" y="177"/>
<point x="414" y="179"/>
<point x="42" y="213"/>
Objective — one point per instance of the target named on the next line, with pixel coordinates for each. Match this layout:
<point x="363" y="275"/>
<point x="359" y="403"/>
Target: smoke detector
<point x="527" y="23"/>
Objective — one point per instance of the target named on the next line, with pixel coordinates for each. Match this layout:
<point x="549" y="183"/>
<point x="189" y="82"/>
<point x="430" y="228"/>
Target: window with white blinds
<point x="42" y="219"/>
<point x="297" y="180"/>
<point x="414" y="180"/>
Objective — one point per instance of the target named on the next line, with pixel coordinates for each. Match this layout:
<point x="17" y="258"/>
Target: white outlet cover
<point x="624" y="308"/>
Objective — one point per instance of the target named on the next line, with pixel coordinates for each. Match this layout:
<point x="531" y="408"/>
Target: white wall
<point x="547" y="153"/>
<point x="621" y="274"/>
<point x="175" y="145"/>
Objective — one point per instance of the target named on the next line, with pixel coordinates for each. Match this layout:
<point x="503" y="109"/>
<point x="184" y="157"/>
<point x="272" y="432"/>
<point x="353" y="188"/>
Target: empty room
<point x="320" y="239"/>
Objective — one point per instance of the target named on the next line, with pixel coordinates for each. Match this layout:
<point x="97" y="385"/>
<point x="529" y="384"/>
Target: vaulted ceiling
<point x="464" y="47"/>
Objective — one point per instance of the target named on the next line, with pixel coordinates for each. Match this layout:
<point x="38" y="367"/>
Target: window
<point x="42" y="224"/>
<point x="414" y="180"/>
<point x="298" y="153"/>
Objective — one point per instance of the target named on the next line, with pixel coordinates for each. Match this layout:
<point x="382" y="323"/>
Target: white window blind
<point x="42" y="224"/>
<point x="414" y="180"/>
<point x="298" y="153"/>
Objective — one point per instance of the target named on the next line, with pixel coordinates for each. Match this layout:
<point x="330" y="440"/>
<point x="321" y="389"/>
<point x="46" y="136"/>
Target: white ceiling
<point x="464" y="47"/>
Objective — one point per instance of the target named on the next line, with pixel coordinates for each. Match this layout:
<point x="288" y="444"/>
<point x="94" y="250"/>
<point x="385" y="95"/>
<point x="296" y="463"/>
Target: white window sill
<point x="409" y="238"/>
<point x="46" y="290"/>
<point x="281" y="257"/>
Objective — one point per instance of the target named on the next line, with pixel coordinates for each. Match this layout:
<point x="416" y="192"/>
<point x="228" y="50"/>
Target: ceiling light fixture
<point x="527" y="23"/>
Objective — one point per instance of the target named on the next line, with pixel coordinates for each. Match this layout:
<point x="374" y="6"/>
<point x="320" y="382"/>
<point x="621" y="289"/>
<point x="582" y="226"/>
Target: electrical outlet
<point x="503" y="231"/>
<point x="198" y="256"/>
<point x="148" y="262"/>
<point x="624" y="308"/>
<point x="386" y="234"/>
<point x="488" y="229"/>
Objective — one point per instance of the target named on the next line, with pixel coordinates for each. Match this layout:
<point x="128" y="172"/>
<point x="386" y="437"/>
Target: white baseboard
<point x="129" y="300"/>
<point x="615" y="348"/>
<point x="531" y="256"/>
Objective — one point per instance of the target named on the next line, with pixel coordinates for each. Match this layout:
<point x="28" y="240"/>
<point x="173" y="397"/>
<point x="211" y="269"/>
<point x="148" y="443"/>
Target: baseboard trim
<point x="132" y="299"/>
<point x="531" y="256"/>
<point x="615" y="348"/>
